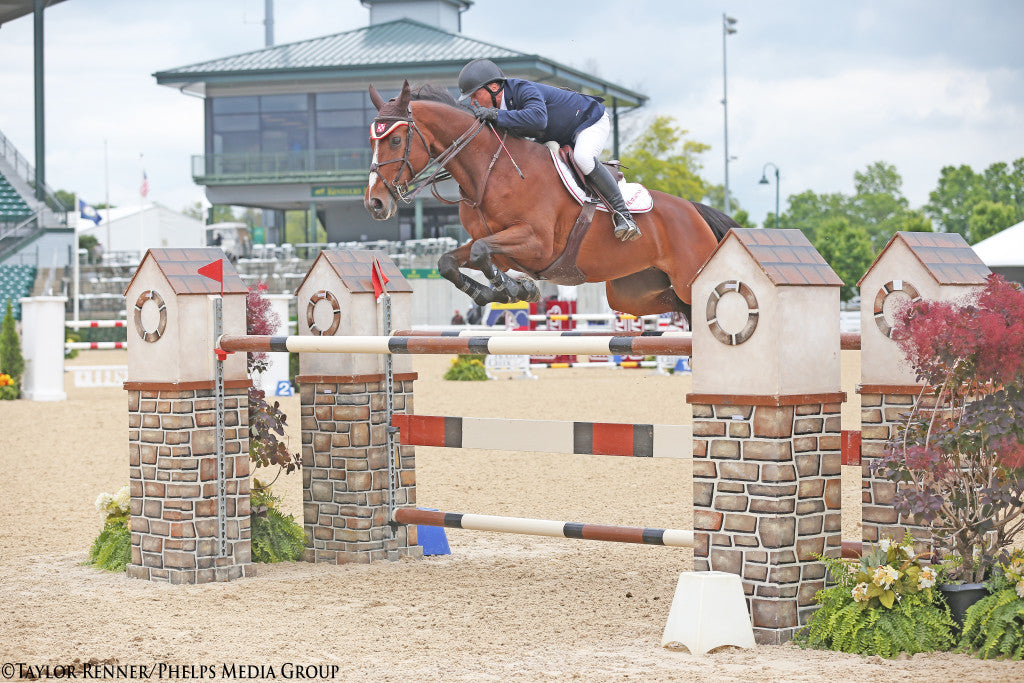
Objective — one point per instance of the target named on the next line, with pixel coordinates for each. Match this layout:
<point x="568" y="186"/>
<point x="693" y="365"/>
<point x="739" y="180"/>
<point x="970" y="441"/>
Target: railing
<point x="323" y="165"/>
<point x="24" y="170"/>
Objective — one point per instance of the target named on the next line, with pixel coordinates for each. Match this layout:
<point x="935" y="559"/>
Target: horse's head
<point x="397" y="157"/>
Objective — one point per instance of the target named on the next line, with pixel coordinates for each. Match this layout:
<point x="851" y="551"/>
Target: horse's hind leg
<point x="645" y="293"/>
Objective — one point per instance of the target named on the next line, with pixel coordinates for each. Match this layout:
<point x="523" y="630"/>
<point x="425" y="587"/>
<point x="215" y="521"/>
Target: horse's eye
<point x="396" y="140"/>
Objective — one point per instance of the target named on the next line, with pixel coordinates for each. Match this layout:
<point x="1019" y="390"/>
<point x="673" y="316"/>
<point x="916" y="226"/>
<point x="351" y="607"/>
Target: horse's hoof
<point x="529" y="291"/>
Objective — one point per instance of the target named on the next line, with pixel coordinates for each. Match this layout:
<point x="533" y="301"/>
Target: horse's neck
<point x="469" y="168"/>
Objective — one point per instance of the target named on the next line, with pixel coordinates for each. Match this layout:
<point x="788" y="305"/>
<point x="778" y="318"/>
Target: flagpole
<point x="75" y="267"/>
<point x="142" y="198"/>
<point x="106" y="181"/>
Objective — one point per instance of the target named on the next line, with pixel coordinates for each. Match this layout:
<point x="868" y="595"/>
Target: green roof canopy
<point x="390" y="50"/>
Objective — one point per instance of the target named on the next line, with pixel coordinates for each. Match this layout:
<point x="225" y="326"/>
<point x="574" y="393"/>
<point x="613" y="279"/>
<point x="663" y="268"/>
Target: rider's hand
<point x="486" y="114"/>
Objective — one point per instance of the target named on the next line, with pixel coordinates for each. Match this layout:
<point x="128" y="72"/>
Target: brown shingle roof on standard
<point x="786" y="257"/>
<point x="180" y="267"/>
<point x="945" y="255"/>
<point x="355" y="269"/>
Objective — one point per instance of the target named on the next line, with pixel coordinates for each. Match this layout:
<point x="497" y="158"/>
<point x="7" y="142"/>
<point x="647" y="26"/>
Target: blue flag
<point x="89" y="212"/>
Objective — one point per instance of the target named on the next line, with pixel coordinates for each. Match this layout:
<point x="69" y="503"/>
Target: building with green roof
<point x="287" y="126"/>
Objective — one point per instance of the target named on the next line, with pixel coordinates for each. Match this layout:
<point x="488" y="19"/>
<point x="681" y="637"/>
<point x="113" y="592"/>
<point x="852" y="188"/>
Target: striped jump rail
<point x="546" y="436"/>
<point x="676" y="538"/>
<point x="78" y="324"/>
<point x="85" y="346"/>
<point x="598" y="364"/>
<point x="482" y="345"/>
<point x="590" y="317"/>
<point x="540" y="333"/>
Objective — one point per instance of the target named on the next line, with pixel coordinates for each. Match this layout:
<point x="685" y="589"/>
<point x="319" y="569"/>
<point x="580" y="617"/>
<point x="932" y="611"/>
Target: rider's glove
<point x="486" y="114"/>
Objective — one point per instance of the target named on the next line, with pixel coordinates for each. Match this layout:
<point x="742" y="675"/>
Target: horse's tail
<point x="719" y="222"/>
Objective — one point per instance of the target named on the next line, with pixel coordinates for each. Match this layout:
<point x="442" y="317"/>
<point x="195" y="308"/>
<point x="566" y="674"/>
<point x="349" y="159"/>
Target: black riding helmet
<point x="476" y="75"/>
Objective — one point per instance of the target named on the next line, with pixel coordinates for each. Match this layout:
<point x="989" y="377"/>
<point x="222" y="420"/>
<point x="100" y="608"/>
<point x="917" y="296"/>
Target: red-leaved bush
<point x="960" y="464"/>
<point x="266" y="421"/>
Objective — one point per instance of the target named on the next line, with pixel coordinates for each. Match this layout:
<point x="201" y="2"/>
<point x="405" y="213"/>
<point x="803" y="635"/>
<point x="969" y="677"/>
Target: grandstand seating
<point x="13" y="208"/>
<point x="15" y="282"/>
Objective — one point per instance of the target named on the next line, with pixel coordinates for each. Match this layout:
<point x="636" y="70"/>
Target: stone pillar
<point x="345" y="458"/>
<point x="188" y="523"/>
<point x="173" y="478"/>
<point x="42" y="343"/>
<point x="767" y="496"/>
<point x="345" y="471"/>
<point x="883" y="410"/>
<point x="766" y="422"/>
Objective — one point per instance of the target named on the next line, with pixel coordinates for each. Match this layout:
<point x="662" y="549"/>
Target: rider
<point x="544" y="112"/>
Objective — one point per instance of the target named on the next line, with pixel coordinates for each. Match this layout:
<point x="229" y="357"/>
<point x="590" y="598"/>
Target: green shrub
<point x="112" y="549"/>
<point x="994" y="626"/>
<point x="882" y="604"/>
<point x="11" y="361"/>
<point x="467" y="368"/>
<point x="275" y="537"/>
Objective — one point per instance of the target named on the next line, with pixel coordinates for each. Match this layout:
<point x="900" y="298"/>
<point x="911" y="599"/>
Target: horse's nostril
<point x="376" y="204"/>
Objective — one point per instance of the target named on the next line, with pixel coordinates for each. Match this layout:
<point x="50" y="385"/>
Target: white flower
<point x="908" y="549"/>
<point x="103" y="501"/>
<point x="927" y="578"/>
<point x="853" y="567"/>
<point x="1020" y="588"/>
<point x="885" y="576"/>
<point x="123" y="498"/>
<point x="860" y="592"/>
<point x="884" y="544"/>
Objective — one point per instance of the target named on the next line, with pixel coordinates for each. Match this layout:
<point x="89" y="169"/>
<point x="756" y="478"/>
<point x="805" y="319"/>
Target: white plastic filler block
<point x="708" y="611"/>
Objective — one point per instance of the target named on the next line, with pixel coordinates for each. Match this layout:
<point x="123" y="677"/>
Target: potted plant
<point x="881" y="604"/>
<point x="958" y="458"/>
<point x="994" y="626"/>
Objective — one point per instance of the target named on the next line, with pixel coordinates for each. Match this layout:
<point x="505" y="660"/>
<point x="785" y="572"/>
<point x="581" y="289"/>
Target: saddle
<point x="563" y="270"/>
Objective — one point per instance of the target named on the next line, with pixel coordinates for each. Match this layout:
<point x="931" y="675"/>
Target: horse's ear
<point x="375" y="97"/>
<point x="404" y="97"/>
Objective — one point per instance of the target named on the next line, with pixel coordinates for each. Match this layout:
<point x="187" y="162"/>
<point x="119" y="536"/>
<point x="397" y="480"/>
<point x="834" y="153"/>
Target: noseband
<point x="399" y="191"/>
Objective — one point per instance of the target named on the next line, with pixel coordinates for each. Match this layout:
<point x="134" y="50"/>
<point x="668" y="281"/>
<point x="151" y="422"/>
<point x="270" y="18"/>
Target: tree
<point x="988" y="218"/>
<point x="847" y="249"/>
<point x="961" y="190"/>
<point x="662" y="159"/>
<point x="222" y="213"/>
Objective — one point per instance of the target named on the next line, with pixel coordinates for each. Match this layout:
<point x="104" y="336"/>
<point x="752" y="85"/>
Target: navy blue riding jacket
<point x="543" y="112"/>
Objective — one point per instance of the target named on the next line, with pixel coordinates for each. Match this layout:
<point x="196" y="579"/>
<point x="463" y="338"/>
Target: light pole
<point x="764" y="181"/>
<point x="727" y="29"/>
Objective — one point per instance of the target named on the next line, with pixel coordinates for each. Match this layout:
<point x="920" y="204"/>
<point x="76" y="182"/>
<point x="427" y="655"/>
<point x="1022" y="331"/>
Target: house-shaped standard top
<point x="766" y="317"/>
<point x="336" y="298"/>
<point x="171" y="318"/>
<point x="928" y="265"/>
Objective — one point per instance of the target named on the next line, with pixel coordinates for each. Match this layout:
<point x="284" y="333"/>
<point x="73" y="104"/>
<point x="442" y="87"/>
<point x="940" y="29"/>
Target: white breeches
<point x="590" y="143"/>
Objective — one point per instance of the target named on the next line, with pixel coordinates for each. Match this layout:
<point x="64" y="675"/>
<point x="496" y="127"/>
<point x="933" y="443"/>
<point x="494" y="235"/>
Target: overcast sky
<point x="821" y="89"/>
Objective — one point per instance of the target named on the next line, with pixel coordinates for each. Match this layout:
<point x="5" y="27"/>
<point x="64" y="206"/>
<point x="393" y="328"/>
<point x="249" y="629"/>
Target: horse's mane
<point x="426" y="92"/>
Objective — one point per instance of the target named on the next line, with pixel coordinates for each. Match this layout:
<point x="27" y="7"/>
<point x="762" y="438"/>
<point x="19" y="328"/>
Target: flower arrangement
<point x="994" y="626"/>
<point x="958" y="459"/>
<point x="8" y="387"/>
<point x="112" y="549"/>
<point x="466" y="368"/>
<point x="881" y="604"/>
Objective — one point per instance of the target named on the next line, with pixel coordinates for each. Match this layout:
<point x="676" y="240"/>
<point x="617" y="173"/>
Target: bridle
<point x="383" y="126"/>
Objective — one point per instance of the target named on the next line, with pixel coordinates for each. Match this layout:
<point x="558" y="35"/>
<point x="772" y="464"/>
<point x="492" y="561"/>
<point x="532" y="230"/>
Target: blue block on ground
<point x="433" y="539"/>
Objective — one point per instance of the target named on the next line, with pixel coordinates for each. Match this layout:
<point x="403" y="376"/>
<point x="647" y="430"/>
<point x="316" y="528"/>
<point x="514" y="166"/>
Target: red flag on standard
<point x="214" y="271"/>
<point x="379" y="279"/>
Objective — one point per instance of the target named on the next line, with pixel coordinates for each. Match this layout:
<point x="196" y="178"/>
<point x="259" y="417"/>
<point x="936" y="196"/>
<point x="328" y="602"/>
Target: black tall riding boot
<point x="601" y="179"/>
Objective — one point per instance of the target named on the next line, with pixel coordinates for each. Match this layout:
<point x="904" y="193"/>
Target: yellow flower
<point x="860" y="592"/>
<point x="5" y="380"/>
<point x="1020" y="588"/>
<point x="926" y="578"/>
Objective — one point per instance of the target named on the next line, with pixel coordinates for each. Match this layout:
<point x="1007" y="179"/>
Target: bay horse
<point x="520" y="216"/>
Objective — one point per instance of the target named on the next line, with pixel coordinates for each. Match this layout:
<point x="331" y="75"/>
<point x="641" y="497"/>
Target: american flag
<point x="144" y="188"/>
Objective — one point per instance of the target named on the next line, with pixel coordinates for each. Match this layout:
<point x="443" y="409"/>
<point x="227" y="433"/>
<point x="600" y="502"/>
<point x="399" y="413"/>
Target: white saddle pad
<point x="638" y="199"/>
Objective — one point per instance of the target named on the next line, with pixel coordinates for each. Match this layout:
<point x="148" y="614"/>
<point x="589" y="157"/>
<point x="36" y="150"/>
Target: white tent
<point x="135" y="229"/>
<point x="1004" y="252"/>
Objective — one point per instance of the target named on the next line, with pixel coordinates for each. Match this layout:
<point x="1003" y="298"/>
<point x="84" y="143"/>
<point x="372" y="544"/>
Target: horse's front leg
<point x="515" y="242"/>
<point x="448" y="266"/>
